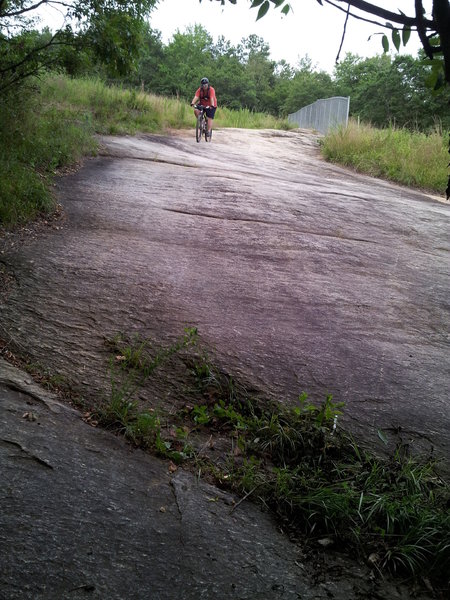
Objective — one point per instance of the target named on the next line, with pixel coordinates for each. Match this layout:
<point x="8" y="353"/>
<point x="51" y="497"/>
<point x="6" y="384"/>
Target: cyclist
<point x="206" y="96"/>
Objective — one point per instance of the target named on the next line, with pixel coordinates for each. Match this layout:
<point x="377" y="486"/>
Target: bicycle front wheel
<point x="198" y="128"/>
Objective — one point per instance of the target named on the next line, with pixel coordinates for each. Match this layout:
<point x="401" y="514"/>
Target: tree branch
<point x="419" y="23"/>
<point x="34" y="71"/>
<point x="377" y="11"/>
<point x="343" y="33"/>
<point x="421" y="28"/>
<point x="17" y="13"/>
<point x="441" y="15"/>
<point x="354" y="15"/>
<point x="28" y="56"/>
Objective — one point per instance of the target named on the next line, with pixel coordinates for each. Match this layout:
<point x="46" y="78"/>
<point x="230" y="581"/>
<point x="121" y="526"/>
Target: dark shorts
<point x="210" y="112"/>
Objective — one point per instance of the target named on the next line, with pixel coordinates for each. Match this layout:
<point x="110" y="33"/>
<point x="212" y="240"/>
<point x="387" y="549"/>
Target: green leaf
<point x="263" y="9"/>
<point x="385" y="43"/>
<point x="256" y="3"/>
<point x="440" y="81"/>
<point x="286" y="8"/>
<point x="382" y="437"/>
<point x="396" y="39"/>
<point x="406" y="34"/>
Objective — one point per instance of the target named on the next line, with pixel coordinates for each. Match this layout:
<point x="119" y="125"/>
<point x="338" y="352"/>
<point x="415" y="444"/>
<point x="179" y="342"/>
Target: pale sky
<point x="311" y="29"/>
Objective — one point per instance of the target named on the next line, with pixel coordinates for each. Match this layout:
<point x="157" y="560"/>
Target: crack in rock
<point x="149" y="159"/>
<point x="28" y="455"/>
<point x="268" y="223"/>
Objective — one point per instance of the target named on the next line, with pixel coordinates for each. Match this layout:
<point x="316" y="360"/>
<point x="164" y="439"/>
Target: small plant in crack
<point x="214" y="384"/>
<point x="129" y="369"/>
<point x="200" y="414"/>
<point x="139" y="357"/>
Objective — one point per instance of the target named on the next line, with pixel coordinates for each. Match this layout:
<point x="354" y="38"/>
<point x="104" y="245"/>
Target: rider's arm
<point x="195" y="100"/>
<point x="212" y="98"/>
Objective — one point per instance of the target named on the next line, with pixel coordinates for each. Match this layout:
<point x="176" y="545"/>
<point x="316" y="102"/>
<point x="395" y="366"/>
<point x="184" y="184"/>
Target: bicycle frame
<point x="201" y="127"/>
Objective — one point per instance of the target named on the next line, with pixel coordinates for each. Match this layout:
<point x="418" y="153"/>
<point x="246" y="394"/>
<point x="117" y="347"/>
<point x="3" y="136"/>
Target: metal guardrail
<point x="323" y="114"/>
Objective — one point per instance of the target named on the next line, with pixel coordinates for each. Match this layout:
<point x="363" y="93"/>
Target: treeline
<point x="384" y="90"/>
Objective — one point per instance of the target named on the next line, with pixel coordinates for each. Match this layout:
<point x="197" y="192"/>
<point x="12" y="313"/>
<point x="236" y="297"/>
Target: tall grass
<point x="247" y="119"/>
<point x="117" y="110"/>
<point x="411" y="158"/>
<point x="36" y="139"/>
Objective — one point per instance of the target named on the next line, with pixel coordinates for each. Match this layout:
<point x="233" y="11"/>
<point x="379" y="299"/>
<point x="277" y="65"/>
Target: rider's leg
<point x="210" y="113"/>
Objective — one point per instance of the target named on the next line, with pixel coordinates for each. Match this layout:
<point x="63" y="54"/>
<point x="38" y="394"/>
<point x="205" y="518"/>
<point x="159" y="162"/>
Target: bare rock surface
<point x="301" y="275"/>
<point x="298" y="274"/>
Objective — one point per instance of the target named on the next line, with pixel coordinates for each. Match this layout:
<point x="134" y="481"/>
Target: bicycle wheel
<point x="199" y="127"/>
<point x="205" y="127"/>
<point x="208" y="135"/>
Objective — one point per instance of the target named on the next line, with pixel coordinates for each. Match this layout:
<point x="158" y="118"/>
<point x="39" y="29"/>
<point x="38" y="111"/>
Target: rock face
<point x="300" y="275"/>
<point x="82" y="515"/>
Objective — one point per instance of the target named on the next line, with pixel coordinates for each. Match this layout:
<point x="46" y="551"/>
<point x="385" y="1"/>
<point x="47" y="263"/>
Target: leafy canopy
<point x="433" y="31"/>
<point x="110" y="30"/>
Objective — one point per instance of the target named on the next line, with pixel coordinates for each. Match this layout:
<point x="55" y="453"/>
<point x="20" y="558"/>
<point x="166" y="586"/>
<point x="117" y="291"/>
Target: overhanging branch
<point x="382" y="13"/>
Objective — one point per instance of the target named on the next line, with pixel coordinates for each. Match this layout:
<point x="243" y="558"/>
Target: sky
<point x="310" y="29"/>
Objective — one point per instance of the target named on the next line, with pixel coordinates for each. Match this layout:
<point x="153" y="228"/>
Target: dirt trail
<point x="301" y="275"/>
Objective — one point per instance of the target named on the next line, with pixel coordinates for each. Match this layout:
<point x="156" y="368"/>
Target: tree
<point x="186" y="59"/>
<point x="110" y="29"/>
<point x="259" y="70"/>
<point x="385" y="90"/>
<point x="376" y="89"/>
<point x="306" y="87"/>
<point x="151" y="61"/>
<point x="434" y="32"/>
<point x="229" y="76"/>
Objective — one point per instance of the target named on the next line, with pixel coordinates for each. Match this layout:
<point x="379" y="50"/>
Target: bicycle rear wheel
<point x="199" y="128"/>
<point x="208" y="134"/>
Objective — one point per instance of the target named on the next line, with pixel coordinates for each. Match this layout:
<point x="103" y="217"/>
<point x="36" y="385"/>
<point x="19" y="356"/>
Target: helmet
<point x="204" y="80"/>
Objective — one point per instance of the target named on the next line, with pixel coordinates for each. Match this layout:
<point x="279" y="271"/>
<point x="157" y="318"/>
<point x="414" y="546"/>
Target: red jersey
<point x="207" y="98"/>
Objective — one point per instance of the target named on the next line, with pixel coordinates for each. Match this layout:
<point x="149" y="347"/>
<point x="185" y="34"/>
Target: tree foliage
<point x="108" y="30"/>
<point x="111" y="38"/>
<point x="391" y="91"/>
<point x="383" y="90"/>
<point x="433" y="30"/>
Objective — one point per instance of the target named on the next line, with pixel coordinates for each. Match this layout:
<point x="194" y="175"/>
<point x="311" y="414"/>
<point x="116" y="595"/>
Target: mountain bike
<point x="201" y="127"/>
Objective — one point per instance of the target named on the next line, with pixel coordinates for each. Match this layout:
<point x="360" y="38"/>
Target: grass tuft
<point x="316" y="478"/>
<point x="410" y="158"/>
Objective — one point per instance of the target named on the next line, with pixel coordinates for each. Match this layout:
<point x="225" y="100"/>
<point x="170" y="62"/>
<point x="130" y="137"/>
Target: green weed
<point x="200" y="415"/>
<point x="133" y="363"/>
